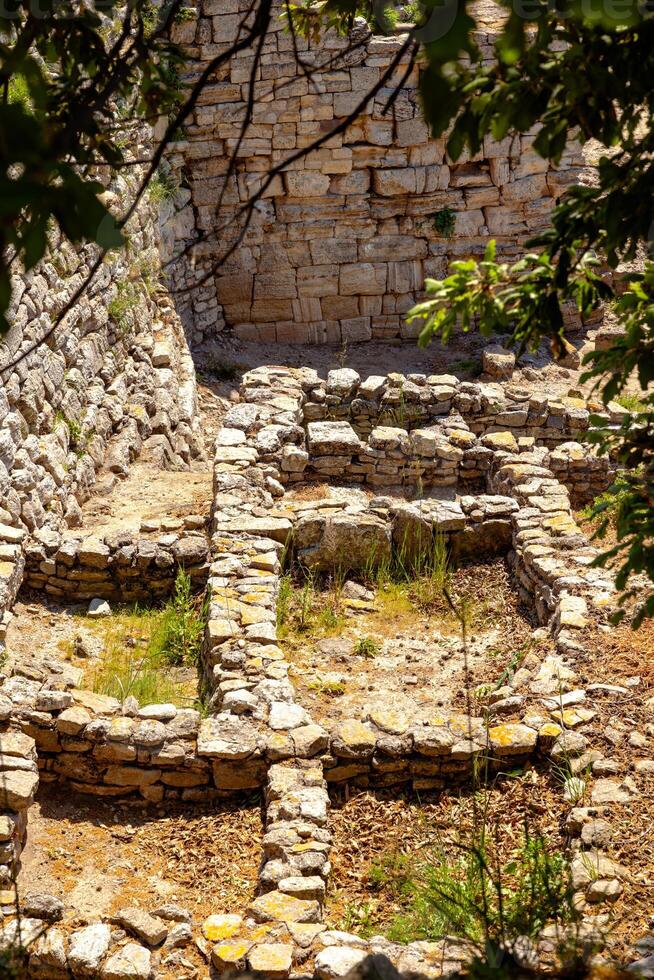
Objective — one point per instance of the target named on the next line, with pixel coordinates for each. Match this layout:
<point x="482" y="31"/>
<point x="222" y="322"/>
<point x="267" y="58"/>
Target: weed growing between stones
<point x="423" y="573"/>
<point x="474" y="894"/>
<point x="309" y="605"/>
<point x="163" y="187"/>
<point x="152" y="654"/>
<point x="182" y="625"/>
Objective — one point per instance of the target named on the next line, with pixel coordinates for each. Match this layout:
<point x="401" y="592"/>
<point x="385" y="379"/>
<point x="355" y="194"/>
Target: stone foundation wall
<point x="119" y="566"/>
<point x="155" y="752"/>
<point x="341" y="242"/>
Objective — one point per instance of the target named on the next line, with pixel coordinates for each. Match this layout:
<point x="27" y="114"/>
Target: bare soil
<point x="147" y="493"/>
<point x="372" y="829"/>
<point x="100" y="857"/>
<point x="419" y="665"/>
<point x="221" y="363"/>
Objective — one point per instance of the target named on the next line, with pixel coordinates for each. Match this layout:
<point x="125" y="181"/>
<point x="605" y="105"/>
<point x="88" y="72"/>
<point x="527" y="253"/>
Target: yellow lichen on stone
<point x="509" y="739"/>
<point x="230" y="954"/>
<point x="216" y="927"/>
<point x="278" y="907"/>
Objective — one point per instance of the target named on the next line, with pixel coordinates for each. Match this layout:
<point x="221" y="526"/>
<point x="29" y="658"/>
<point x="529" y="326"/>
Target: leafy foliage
<point x="67" y="73"/>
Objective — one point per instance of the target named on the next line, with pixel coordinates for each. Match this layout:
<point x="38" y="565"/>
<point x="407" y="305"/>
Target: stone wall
<point x="115" y="380"/>
<point x="340" y="244"/>
<point x="257" y="734"/>
<point x="121" y="565"/>
<point x="157" y="751"/>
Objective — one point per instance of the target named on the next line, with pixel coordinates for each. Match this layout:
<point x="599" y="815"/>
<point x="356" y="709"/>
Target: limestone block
<point x="149" y="928"/>
<point x="362" y="279"/>
<point x="332" y="439"/>
<point x="394" y="182"/>
<point x="88" y="947"/>
<point x="131" y="962"/>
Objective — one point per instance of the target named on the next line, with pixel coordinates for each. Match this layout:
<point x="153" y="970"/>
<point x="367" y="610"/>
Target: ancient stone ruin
<point x="115" y="476"/>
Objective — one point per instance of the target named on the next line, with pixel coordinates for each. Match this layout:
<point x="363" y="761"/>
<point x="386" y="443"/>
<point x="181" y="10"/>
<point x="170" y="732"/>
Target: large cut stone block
<point x="332" y="439"/>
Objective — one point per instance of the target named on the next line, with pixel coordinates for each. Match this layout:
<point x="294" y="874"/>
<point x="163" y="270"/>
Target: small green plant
<point x="472" y="895"/>
<point x="515" y="660"/>
<point x="121" y="307"/>
<point x="367" y="646"/>
<point x="18" y="92"/>
<point x="386" y="20"/>
<point x="414" y="12"/>
<point x="185" y="14"/>
<point x="444" y="222"/>
<point x="78" y="437"/>
<point x="327" y="685"/>
<point x="632" y="402"/>
<point x="284" y="597"/>
<point x="163" y="187"/>
<point x="359" y="918"/>
<point x="142" y="645"/>
<point x="182" y="625"/>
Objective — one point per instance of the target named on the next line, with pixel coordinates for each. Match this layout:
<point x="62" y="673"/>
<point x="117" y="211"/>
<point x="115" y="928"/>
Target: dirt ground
<point x="221" y="363"/>
<point x="418" y="663"/>
<point x="101" y="857"/>
<point x="369" y="828"/>
<point x="147" y="493"/>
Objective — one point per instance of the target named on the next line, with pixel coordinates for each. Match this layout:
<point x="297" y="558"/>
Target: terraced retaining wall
<point x="340" y="244"/>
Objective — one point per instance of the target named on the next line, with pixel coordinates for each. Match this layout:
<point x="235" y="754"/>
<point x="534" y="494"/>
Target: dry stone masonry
<point x="340" y="244"/>
<point x="117" y="380"/>
<point x="337" y="251"/>
<point x="514" y="500"/>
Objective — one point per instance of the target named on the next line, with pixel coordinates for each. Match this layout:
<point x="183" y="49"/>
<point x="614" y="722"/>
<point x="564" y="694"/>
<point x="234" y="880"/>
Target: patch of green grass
<point x="121" y="307"/>
<point x="307" y="606"/>
<point x="420" y="568"/>
<point x="163" y="187"/>
<point x="367" y="646"/>
<point x="142" y="646"/>
<point x="467" y="893"/>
